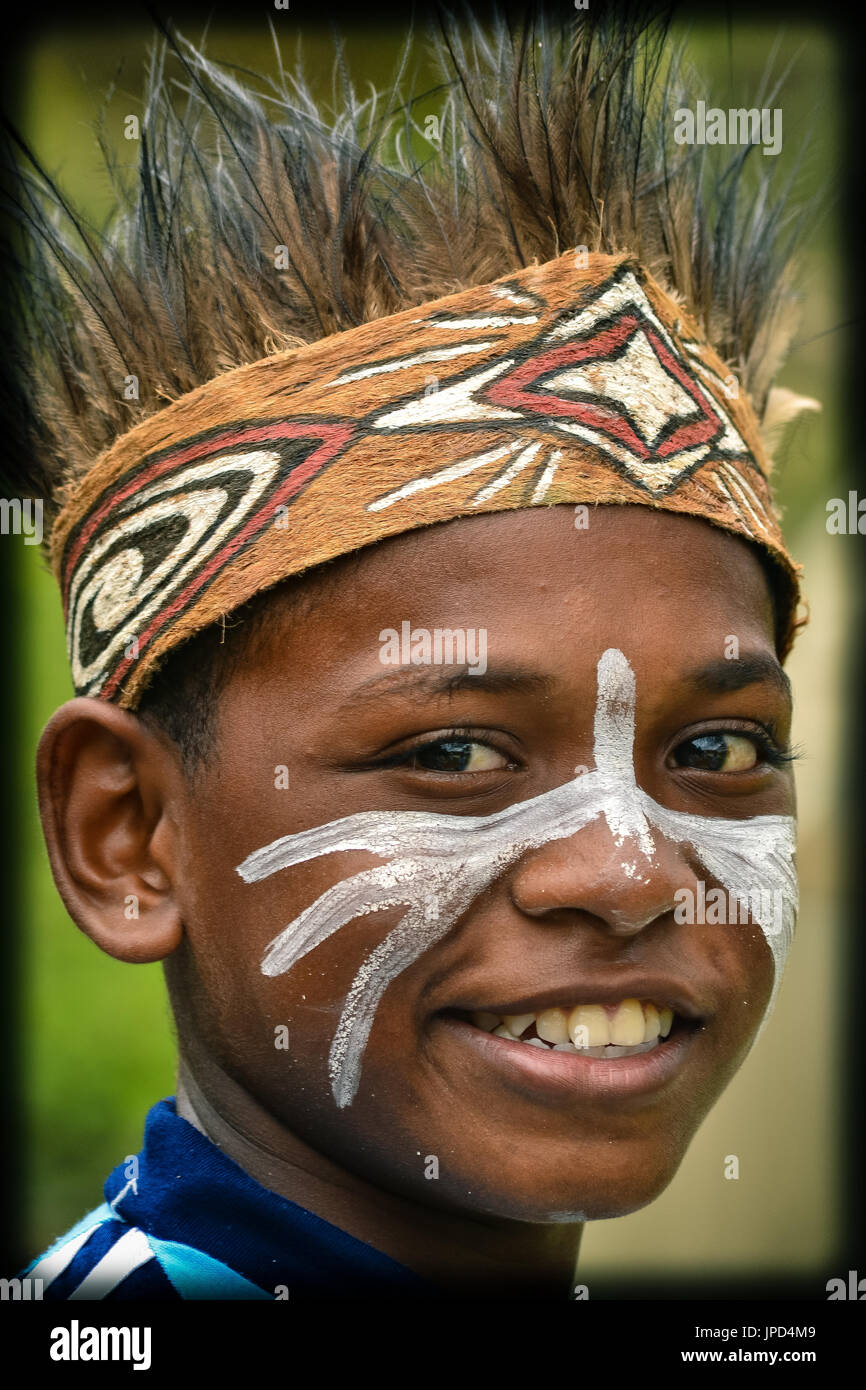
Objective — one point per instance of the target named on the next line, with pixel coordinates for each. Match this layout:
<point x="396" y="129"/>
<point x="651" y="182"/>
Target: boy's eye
<point x="718" y="752"/>
<point x="456" y="755"/>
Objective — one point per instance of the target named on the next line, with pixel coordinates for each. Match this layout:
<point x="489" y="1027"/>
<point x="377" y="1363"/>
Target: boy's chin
<point x="592" y="1188"/>
<point x="595" y="1200"/>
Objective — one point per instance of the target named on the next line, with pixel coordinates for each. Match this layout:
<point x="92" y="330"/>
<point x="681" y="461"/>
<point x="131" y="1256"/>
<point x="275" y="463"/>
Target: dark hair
<point x="183" y="697"/>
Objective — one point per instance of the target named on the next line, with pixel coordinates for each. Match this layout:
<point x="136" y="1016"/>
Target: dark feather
<point x="556" y="132"/>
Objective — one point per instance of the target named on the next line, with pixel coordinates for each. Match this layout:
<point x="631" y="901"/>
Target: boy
<point x="509" y="602"/>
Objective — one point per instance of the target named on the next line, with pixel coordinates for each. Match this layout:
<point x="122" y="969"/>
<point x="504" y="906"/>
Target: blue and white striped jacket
<point x="180" y="1220"/>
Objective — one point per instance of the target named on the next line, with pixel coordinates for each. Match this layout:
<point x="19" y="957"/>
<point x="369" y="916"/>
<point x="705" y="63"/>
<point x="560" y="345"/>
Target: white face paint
<point x="438" y="864"/>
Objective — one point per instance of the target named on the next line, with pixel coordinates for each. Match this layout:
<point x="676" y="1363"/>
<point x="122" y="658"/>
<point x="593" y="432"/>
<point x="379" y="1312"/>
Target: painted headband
<point x="577" y="381"/>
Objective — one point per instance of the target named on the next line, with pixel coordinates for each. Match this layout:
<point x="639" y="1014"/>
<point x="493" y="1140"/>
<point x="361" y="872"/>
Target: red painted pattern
<point x="204" y="448"/>
<point x="696" y="431"/>
<point x="334" y="438"/>
<point x="513" y="391"/>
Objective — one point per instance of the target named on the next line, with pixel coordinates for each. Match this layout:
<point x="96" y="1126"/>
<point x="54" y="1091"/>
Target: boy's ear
<point x="109" y="795"/>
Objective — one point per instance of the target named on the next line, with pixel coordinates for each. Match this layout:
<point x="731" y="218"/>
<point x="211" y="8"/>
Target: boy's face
<point x="517" y="1132"/>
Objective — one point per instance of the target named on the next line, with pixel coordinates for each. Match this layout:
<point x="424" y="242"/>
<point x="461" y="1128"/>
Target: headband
<point x="577" y="381"/>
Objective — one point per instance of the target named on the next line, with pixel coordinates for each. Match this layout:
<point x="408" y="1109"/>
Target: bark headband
<point x="578" y="381"/>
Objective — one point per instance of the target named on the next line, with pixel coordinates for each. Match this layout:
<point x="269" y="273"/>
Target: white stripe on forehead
<point x="613" y="750"/>
<point x="438" y="864"/>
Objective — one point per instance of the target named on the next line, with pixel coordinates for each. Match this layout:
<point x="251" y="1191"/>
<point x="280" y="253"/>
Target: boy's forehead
<point x="491" y="565"/>
<point x="542" y="600"/>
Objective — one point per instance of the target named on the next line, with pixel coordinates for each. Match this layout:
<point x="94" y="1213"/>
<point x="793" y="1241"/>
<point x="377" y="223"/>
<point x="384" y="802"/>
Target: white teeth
<point x="588" y="1026"/>
<point x="593" y="1030"/>
<point x="613" y="1051"/>
<point x="552" y="1025"/>
<point x="651" y="1027"/>
<point x="517" y="1023"/>
<point x="627" y="1025"/>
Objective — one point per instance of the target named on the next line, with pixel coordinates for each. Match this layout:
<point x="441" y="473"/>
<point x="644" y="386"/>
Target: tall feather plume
<point x="553" y="132"/>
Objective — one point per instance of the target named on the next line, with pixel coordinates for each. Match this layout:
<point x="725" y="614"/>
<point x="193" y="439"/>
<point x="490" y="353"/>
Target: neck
<point x="451" y="1249"/>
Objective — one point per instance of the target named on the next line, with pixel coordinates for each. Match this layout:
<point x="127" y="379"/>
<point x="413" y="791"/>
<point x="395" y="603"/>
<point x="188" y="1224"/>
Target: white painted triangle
<point x="635" y="381"/>
<point x="451" y="405"/>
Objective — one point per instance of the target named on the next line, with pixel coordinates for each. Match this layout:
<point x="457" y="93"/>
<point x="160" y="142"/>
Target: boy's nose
<point x="615" y="883"/>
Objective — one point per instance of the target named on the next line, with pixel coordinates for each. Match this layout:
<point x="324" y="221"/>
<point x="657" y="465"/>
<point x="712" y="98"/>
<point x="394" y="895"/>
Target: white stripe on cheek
<point x="745" y="856"/>
<point x="439" y="864"/>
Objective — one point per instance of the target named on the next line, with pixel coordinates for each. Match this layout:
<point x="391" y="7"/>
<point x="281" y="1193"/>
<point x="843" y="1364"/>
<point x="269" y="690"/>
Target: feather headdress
<point x="551" y="134"/>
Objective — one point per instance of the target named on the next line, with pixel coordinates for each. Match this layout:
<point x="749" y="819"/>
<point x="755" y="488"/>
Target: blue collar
<point x="188" y="1191"/>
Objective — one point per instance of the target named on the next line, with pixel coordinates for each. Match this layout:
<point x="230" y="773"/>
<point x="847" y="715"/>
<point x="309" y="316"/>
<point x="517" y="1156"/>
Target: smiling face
<point x="587" y="918"/>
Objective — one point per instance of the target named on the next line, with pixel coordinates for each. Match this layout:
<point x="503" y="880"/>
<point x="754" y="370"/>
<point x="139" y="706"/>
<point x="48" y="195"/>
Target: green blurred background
<point x="99" y="1039"/>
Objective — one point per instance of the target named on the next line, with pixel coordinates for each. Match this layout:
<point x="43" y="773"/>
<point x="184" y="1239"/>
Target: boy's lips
<point x="548" y="1075"/>
<point x="602" y="1040"/>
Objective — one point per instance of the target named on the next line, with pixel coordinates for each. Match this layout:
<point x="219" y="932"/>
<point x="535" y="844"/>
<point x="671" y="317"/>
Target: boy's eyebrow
<point x="716" y="676"/>
<point x="726" y="674"/>
<point x="435" y="681"/>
